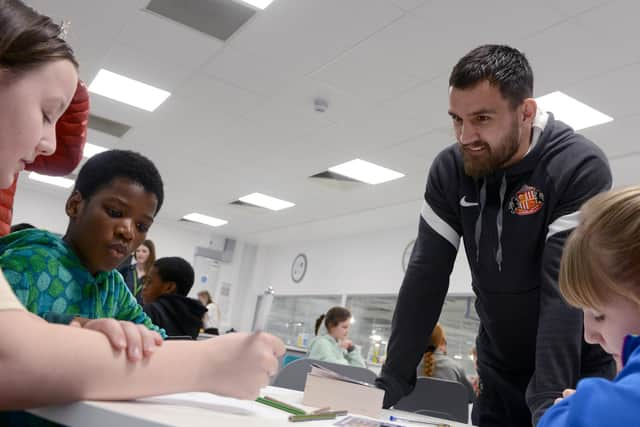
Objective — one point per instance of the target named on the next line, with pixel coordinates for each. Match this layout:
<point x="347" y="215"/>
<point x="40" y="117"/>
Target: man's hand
<point x="137" y="340"/>
<point x="566" y="393"/>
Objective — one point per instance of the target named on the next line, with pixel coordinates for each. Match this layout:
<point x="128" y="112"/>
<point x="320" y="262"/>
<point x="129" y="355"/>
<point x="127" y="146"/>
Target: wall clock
<point x="298" y="268"/>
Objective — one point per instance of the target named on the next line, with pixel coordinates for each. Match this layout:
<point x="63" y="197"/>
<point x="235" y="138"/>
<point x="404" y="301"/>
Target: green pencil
<point x="313" y="417"/>
<point x="280" y="405"/>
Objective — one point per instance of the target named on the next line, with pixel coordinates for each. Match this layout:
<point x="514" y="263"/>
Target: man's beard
<point x="478" y="167"/>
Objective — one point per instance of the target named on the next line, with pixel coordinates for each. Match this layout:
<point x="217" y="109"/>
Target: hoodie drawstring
<point x="503" y="190"/>
<point x="478" y="228"/>
<point x="483" y="199"/>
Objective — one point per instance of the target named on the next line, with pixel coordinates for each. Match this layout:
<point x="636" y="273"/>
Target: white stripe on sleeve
<point x="564" y="223"/>
<point x="440" y="226"/>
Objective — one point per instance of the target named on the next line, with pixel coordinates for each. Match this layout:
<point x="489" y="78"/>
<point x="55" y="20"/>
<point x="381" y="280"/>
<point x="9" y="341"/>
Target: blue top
<point x="599" y="402"/>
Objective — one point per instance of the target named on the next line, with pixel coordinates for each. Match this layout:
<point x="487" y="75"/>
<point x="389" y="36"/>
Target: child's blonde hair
<point x="602" y="255"/>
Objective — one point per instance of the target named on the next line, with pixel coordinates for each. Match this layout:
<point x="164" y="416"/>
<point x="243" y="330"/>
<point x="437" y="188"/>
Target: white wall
<point x="360" y="264"/>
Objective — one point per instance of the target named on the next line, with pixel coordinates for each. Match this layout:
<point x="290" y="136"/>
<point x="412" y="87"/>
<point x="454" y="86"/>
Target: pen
<point x="409" y="420"/>
<point x="280" y="405"/>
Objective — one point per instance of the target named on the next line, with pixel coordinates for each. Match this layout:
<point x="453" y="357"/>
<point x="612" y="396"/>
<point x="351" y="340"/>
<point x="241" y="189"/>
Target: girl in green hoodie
<point x="333" y="345"/>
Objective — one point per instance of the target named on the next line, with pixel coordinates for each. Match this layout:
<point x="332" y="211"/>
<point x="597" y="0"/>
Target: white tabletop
<point x="194" y="410"/>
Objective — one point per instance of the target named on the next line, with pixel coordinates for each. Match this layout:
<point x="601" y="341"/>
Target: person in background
<point x="165" y="298"/>
<point x="333" y="345"/>
<point x="211" y="319"/>
<point x="135" y="274"/>
<point x="38" y="76"/>
<point x="19" y="227"/>
<point x="437" y="364"/>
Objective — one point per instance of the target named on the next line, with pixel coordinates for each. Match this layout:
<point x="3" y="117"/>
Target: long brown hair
<point x="29" y="39"/>
<point x="429" y="361"/>
<point x="152" y="255"/>
<point x="334" y="316"/>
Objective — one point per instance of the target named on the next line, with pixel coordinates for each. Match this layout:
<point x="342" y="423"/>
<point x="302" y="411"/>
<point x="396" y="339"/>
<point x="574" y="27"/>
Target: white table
<point x="193" y="410"/>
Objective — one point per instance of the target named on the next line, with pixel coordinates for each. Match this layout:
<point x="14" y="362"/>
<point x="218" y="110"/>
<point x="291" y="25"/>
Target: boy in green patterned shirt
<point x="115" y="199"/>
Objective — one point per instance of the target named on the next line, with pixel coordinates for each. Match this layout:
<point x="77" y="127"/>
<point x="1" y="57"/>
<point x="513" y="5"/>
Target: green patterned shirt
<point x="50" y="280"/>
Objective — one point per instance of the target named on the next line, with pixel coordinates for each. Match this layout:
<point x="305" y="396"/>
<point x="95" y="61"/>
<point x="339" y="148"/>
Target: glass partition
<point x="293" y="317"/>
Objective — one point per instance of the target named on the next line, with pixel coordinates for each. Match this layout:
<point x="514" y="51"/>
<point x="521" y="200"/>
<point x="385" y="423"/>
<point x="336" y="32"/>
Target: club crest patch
<point x="527" y="201"/>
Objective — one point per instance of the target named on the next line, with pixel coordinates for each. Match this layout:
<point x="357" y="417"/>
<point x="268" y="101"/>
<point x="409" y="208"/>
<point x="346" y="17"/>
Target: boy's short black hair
<point x="503" y="66"/>
<point x="21" y="226"/>
<point x="101" y="169"/>
<point x="176" y="269"/>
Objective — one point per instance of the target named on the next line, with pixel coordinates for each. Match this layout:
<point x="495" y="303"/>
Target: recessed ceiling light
<point x="53" y="180"/>
<point x="571" y="111"/>
<point x="265" y="201"/>
<point x="129" y="91"/>
<point x="258" y="4"/>
<point x="364" y="171"/>
<point x="204" y="219"/>
<point x="91" y="150"/>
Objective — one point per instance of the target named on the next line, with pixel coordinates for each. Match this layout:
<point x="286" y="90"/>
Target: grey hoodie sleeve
<point x="425" y="283"/>
<point x="559" y="343"/>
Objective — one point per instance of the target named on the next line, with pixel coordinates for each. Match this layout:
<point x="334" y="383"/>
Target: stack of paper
<point x="326" y="388"/>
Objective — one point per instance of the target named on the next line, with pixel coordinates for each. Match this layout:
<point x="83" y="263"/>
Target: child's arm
<point x="597" y="402"/>
<point x="45" y="364"/>
<point x="322" y="350"/>
<point x="355" y="357"/>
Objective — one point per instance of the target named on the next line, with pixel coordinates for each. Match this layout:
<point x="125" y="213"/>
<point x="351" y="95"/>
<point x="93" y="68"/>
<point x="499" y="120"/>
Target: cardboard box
<point x="359" y="399"/>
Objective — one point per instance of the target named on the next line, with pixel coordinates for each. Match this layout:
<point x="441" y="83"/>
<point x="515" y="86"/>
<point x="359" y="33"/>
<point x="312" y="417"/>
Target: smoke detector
<point x="320" y="105"/>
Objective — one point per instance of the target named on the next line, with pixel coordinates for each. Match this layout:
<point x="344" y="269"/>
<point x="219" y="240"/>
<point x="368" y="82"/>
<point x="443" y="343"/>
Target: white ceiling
<point x="240" y="118"/>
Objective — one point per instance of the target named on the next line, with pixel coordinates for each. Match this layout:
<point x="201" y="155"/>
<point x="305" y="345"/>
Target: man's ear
<point x="529" y="109"/>
<point x="74" y="205"/>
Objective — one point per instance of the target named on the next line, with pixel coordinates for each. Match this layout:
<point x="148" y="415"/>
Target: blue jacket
<point x="599" y="402"/>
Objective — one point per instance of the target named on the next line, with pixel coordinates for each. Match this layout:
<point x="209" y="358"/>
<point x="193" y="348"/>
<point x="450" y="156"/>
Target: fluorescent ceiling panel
<point x="571" y="111"/>
<point x="264" y="201"/>
<point x="258" y="4"/>
<point x="91" y="150"/>
<point x="129" y="91"/>
<point x="364" y="171"/>
<point x="53" y="180"/>
<point x="205" y="219"/>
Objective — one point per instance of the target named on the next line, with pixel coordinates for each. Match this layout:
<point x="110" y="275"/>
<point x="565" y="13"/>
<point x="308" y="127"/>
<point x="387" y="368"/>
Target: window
<point x="293" y="317"/>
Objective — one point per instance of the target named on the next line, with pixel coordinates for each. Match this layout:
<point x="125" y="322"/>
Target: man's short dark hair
<point x="176" y="269"/>
<point x="503" y="66"/>
<point x="100" y="170"/>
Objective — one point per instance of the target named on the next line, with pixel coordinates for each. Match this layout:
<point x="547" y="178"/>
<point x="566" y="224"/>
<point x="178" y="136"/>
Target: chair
<point x="437" y="398"/>
<point x="288" y="358"/>
<point x="294" y="375"/>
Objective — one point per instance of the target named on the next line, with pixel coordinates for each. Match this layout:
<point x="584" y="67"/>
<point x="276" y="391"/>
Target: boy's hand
<point x="136" y="339"/>
<point x="566" y="393"/>
<point x="240" y="364"/>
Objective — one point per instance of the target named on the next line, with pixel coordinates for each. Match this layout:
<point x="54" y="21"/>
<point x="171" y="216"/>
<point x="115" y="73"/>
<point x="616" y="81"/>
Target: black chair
<point x="294" y="375"/>
<point x="436" y="397"/>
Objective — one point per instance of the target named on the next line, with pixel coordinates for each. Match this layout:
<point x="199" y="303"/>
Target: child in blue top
<point x="116" y="197"/>
<point x="600" y="273"/>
